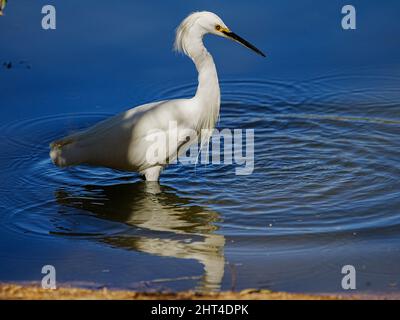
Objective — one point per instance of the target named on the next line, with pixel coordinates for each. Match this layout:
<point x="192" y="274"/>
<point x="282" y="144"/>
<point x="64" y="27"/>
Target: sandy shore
<point x="32" y="292"/>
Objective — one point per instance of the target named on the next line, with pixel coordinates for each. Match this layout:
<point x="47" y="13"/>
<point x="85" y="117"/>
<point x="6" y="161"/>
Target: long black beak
<point x="247" y="44"/>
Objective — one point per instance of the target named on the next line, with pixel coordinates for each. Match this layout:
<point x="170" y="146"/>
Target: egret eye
<point x="218" y="27"/>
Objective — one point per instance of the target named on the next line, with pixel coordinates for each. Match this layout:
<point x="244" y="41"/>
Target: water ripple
<point x="326" y="164"/>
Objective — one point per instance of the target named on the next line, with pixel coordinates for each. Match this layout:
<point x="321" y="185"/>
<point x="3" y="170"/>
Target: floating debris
<point x="7" y="64"/>
<point x="2" y="6"/>
<point x="13" y="64"/>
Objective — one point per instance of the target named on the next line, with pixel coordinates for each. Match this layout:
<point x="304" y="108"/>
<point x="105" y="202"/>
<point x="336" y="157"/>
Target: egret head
<point x="198" y="24"/>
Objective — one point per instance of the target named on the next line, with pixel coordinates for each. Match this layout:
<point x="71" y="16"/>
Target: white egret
<point x="124" y="141"/>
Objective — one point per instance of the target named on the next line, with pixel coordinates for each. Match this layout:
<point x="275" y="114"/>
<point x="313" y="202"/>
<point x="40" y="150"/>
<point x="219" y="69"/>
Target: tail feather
<point x="61" y="143"/>
<point x="65" y="152"/>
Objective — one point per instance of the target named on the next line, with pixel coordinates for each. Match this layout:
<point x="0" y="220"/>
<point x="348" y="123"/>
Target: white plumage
<point x="146" y="138"/>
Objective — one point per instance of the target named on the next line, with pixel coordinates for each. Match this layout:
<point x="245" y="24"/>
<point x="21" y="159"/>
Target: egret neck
<point x="208" y="95"/>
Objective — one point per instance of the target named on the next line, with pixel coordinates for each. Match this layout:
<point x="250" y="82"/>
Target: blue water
<point x="325" y="107"/>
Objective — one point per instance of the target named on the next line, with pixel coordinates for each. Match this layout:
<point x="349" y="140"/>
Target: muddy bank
<point x="32" y="292"/>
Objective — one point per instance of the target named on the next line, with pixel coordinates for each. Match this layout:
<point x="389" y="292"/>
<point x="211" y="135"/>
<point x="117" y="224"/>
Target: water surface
<point x="324" y="193"/>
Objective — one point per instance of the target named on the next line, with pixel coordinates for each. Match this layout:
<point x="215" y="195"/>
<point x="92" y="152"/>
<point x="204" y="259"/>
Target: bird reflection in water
<point x="172" y="225"/>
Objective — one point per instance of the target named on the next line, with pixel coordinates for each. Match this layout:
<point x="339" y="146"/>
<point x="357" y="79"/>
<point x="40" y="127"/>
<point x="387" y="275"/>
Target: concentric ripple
<point x="327" y="167"/>
<point x="322" y="164"/>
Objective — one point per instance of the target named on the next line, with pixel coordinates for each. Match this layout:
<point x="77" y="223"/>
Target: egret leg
<point x="153" y="173"/>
